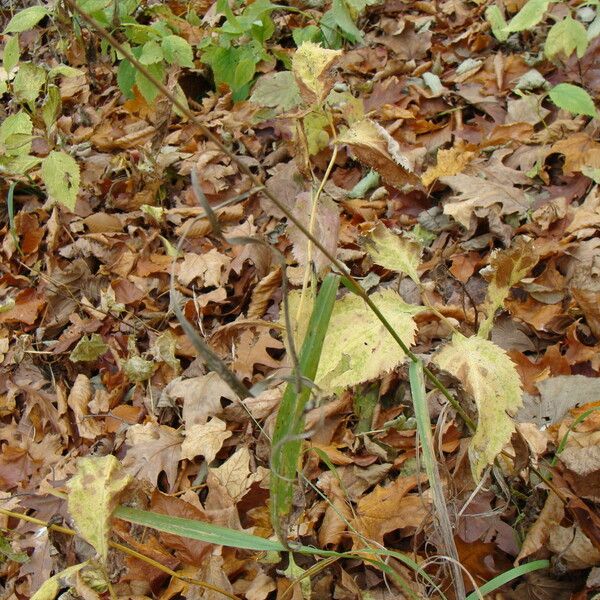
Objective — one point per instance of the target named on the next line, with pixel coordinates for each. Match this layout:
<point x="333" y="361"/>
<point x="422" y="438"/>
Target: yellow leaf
<point x="508" y="268"/>
<point x="490" y="377"/>
<point x="94" y="492"/>
<point x="394" y="252"/>
<point x="449" y="162"/>
<point x="50" y="588"/>
<point x="311" y="65"/>
<point x="357" y="346"/>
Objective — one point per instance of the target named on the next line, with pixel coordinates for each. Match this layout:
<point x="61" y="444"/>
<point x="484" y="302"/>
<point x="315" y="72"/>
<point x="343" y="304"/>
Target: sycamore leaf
<point x="311" y="65"/>
<point x="94" y="493"/>
<point x="508" y="268"/>
<point x="393" y="251"/>
<point x="491" y="378"/>
<point x="352" y="354"/>
<point x="375" y="147"/>
<point x="60" y="173"/>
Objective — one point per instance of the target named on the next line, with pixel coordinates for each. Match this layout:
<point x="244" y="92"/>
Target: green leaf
<point x="310" y="33"/>
<point x="287" y="442"/>
<point x="60" y="174"/>
<point x="146" y="87"/>
<point x="52" y="106"/>
<point x="18" y="165"/>
<point x="531" y="14"/>
<point x="393" y="251"/>
<point x="11" y="53"/>
<point x="15" y="135"/>
<point x="6" y="551"/>
<point x="94" y="493"/>
<point x="353" y="354"/>
<point x="28" y="82"/>
<point x="276" y="90"/>
<point x="565" y="37"/>
<point x="491" y="378"/>
<point x="177" y="51"/>
<point x="343" y="19"/>
<point x="26" y="19"/>
<point x="497" y="22"/>
<point x="126" y="78"/>
<point x="316" y="126"/>
<point x="151" y="53"/>
<point x="243" y="74"/>
<point x="574" y="99"/>
<point x="88" y="348"/>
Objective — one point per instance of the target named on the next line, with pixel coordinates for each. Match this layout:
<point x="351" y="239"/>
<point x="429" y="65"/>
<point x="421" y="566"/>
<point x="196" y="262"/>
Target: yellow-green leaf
<point x="311" y="65"/>
<point x="393" y="251"/>
<point x="28" y="82"/>
<point x="565" y="37"/>
<point x="94" y="493"/>
<point x="15" y="135"/>
<point x="357" y="346"/>
<point x="60" y="173"/>
<point x="508" y="268"/>
<point x="490" y="377"/>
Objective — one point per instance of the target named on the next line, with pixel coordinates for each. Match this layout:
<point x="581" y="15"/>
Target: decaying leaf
<point x="375" y="147"/>
<point x="491" y="378"/>
<point x="354" y="354"/>
<point x="449" y="162"/>
<point x="311" y="66"/>
<point x="94" y="493"/>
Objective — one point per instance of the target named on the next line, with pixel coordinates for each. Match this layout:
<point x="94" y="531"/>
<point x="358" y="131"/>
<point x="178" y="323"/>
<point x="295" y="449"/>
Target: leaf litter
<point x="460" y="195"/>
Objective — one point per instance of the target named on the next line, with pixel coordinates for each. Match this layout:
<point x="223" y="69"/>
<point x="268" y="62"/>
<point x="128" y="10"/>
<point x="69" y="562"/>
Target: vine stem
<point x="124" y="549"/>
<point x="354" y="286"/>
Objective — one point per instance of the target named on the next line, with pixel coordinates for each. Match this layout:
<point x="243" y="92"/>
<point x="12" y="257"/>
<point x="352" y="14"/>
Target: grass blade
<point x="197" y="530"/>
<point x="287" y="442"/>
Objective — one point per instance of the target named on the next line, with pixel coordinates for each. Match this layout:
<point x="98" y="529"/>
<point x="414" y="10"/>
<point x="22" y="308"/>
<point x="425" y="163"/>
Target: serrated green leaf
<point x="94" y="493"/>
<point x="88" y="348"/>
<point x="497" y="22"/>
<point x="60" y="174"/>
<point x="151" y="53"/>
<point x="12" y="53"/>
<point x="146" y="87"/>
<point x="531" y="14"/>
<point x="491" y="378"/>
<point x="15" y="135"/>
<point x="28" y="82"/>
<point x="177" y="51"/>
<point x="393" y="251"/>
<point x="276" y="90"/>
<point x="352" y="354"/>
<point x="574" y="99"/>
<point x="52" y="106"/>
<point x="26" y="19"/>
<point x="565" y="37"/>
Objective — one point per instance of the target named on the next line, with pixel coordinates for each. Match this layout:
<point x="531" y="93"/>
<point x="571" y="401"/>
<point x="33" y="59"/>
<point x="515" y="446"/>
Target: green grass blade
<point x="287" y="442"/>
<point x="504" y="578"/>
<point x="197" y="530"/>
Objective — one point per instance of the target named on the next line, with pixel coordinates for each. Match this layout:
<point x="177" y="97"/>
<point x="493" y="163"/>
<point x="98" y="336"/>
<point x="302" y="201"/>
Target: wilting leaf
<point x="394" y="251"/>
<point x="311" y="65"/>
<point x="60" y="173"/>
<point x="88" y="348"/>
<point x="138" y="369"/>
<point x="375" y="147"/>
<point x="94" y="493"/>
<point x="508" y="267"/>
<point x="491" y="378"/>
<point x="565" y="37"/>
<point x="352" y="354"/>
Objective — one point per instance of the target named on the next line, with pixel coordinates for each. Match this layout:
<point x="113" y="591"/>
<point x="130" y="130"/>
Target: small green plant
<point x="565" y="37"/>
